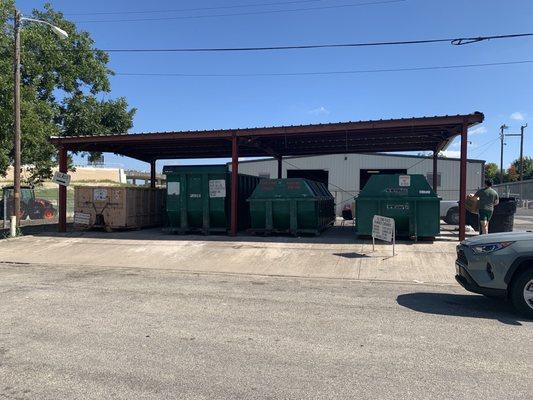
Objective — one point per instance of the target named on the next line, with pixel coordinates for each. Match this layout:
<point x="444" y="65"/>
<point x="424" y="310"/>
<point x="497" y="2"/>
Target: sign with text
<point x="173" y="188"/>
<point x="404" y="180"/>
<point x="217" y="188"/>
<point x="383" y="228"/>
<point x="82" y="218"/>
<point x="61" y="179"/>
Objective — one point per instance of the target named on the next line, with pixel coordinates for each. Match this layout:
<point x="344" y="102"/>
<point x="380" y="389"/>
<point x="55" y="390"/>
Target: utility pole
<point x="17" y="24"/>
<point x="521" y="134"/>
<point x="522" y="129"/>
<point x="502" y="138"/>
<point x="16" y="110"/>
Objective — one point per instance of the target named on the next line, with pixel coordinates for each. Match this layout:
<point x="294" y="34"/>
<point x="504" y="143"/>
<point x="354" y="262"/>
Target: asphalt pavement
<point x="71" y="332"/>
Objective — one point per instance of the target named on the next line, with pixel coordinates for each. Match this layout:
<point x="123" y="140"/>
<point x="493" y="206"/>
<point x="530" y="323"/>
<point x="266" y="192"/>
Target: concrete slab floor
<point x="337" y="254"/>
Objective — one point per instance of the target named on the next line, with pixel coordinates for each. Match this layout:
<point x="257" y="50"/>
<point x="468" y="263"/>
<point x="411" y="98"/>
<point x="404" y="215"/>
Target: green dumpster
<point x="199" y="198"/>
<point x="293" y="205"/>
<point x="409" y="199"/>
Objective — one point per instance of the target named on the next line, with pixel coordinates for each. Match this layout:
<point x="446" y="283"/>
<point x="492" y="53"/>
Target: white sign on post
<point x="383" y="228"/>
<point x="61" y="179"/>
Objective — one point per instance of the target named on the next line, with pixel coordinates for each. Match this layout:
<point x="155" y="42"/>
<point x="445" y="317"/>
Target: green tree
<point x="528" y="167"/>
<point x="492" y="172"/>
<point x="511" y="174"/>
<point x="61" y="80"/>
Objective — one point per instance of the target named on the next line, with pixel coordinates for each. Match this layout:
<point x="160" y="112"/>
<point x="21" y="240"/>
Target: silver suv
<point x="498" y="265"/>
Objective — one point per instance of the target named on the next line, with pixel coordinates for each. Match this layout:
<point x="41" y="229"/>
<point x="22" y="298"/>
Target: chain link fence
<point x="522" y="191"/>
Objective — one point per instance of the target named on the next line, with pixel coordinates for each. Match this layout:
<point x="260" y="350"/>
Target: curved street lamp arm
<point x="58" y="31"/>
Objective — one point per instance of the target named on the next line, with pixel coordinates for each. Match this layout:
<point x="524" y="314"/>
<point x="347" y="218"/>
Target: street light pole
<point x="16" y="110"/>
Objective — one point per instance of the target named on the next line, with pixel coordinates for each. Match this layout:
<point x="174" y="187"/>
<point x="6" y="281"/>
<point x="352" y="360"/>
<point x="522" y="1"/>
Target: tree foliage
<point x="492" y="172"/>
<point x="528" y="167"/>
<point x="512" y="174"/>
<point x="62" y="81"/>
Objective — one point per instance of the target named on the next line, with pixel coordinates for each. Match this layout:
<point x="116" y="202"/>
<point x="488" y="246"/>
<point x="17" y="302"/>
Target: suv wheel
<point x="522" y="293"/>
<point x="452" y="216"/>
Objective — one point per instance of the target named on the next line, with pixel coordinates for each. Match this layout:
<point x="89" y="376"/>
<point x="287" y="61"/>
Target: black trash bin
<point x="502" y="219"/>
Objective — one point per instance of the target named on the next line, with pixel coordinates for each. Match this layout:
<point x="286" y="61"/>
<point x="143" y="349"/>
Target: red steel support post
<point x="280" y="166"/>
<point x="462" y="183"/>
<point x="234" y="183"/>
<point x="152" y="174"/>
<point x="435" y="171"/>
<point x="62" y="156"/>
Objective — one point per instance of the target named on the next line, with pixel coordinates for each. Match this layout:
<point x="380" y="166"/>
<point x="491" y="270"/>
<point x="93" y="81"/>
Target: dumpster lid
<point x="290" y="188"/>
<point x="396" y="185"/>
<point x="200" y="169"/>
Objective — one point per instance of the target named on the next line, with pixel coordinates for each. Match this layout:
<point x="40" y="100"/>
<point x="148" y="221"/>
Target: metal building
<point x="346" y="174"/>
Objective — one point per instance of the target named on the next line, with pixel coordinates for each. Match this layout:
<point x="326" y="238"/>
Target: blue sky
<point x="502" y="93"/>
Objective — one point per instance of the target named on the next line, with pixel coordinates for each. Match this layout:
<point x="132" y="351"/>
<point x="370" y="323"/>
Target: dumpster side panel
<point x="217" y="201"/>
<point x="291" y="206"/>
<point x="204" y="200"/>
<point x="174" y="200"/>
<point x="428" y="219"/>
<point x="258" y="215"/>
<point x="408" y="199"/>
<point x="364" y="208"/>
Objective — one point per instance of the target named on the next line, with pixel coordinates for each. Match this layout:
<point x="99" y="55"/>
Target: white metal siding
<point x="344" y="171"/>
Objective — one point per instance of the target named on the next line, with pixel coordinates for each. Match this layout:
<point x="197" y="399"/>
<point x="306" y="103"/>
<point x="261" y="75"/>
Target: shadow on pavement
<point x="351" y="255"/>
<point x="461" y="305"/>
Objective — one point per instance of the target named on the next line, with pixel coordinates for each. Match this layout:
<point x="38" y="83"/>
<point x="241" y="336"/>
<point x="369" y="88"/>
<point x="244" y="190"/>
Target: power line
<point x="457" y="41"/>
<point x="314" y="73"/>
<point x="370" y="3"/>
<point x="489" y="144"/>
<point x="279" y="3"/>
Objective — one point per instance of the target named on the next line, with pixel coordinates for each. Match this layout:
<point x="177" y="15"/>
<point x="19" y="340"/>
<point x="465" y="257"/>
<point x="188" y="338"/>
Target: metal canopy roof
<point x="410" y="134"/>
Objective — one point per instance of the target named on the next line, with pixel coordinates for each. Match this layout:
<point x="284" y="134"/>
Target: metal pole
<point x="502" y="140"/>
<point x="234" y="183"/>
<point x="522" y="129"/>
<point x="394" y="240"/>
<point x="280" y="167"/>
<point x="462" y="183"/>
<point x="62" y="225"/>
<point x="152" y="174"/>
<point x="16" y="109"/>
<point x="435" y="171"/>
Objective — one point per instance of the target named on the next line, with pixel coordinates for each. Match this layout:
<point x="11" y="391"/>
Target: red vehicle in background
<point x="30" y="207"/>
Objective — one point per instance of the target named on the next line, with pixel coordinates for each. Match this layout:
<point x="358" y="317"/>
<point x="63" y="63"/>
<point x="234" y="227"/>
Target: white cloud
<point x="478" y="130"/>
<point x="451" y="153"/>
<point x="518" y="116"/>
<point x="319" y="111"/>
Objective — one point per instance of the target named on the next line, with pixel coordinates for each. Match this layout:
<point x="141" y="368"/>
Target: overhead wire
<point x="456" y="41"/>
<point x="246" y="13"/>
<point x="315" y="73"/>
<point x="247" y="5"/>
<point x="481" y="147"/>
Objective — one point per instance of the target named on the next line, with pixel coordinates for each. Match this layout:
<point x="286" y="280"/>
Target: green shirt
<point x="487" y="198"/>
